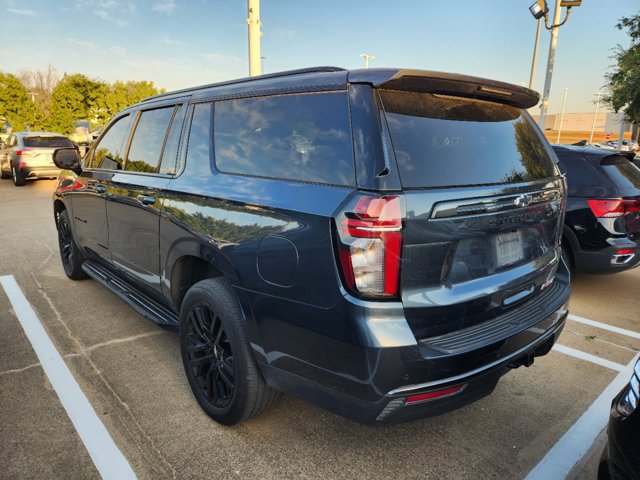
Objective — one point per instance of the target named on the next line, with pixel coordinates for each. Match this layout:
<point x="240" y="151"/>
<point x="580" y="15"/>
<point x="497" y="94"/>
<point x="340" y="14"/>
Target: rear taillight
<point x="612" y="208"/>
<point x="24" y="151"/>
<point x="369" y="244"/>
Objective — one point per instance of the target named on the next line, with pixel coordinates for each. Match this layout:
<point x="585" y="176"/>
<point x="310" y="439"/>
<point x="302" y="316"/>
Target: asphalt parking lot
<point x="541" y="421"/>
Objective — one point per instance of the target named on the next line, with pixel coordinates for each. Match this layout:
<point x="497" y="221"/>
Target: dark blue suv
<point x="383" y="243"/>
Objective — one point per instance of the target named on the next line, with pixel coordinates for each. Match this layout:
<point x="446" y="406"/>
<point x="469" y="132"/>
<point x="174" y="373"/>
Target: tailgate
<point x="484" y="209"/>
<point x="471" y="258"/>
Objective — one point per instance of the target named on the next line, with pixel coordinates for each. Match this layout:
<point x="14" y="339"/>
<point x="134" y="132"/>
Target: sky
<point x="183" y="43"/>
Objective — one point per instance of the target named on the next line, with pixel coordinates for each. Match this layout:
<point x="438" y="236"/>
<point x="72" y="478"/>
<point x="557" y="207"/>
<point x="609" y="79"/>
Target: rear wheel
<point x="18" y="179"/>
<point x="4" y="175"/>
<point x="70" y="254"/>
<point x="567" y="257"/>
<point x="217" y="357"/>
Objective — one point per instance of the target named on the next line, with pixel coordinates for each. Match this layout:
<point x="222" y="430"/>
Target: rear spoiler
<point x="425" y="81"/>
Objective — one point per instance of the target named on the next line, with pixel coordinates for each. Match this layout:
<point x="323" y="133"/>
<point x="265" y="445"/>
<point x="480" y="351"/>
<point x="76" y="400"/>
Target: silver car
<point x="28" y="155"/>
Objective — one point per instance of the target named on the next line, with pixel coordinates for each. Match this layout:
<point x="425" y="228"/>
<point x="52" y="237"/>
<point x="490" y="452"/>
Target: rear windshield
<point x="447" y="141"/>
<point x="622" y="171"/>
<point x="47" y="142"/>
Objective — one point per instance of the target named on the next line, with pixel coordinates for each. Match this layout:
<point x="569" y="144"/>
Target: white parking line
<point x="106" y="456"/>
<point x="605" y="326"/>
<point x="575" y="443"/>
<point x="588" y="357"/>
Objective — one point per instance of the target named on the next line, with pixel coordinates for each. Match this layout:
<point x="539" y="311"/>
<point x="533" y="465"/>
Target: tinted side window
<point x="170" y="153"/>
<point x="108" y="150"/>
<point x="303" y="137"/>
<point x="199" y="148"/>
<point x="148" y="140"/>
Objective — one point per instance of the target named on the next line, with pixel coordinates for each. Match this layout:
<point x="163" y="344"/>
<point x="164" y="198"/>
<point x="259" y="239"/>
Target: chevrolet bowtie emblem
<point x="523" y="200"/>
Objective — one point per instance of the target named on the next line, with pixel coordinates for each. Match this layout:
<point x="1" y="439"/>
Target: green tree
<point x="15" y="105"/>
<point x="124" y="94"/>
<point x="624" y="81"/>
<point x="77" y="97"/>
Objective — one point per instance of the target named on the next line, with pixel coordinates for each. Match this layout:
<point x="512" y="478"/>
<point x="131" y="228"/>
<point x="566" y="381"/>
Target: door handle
<point x="100" y="188"/>
<point x="147" y="199"/>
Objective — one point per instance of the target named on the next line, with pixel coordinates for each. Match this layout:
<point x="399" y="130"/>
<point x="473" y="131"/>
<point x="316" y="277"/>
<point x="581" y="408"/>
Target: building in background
<point x="582" y="122"/>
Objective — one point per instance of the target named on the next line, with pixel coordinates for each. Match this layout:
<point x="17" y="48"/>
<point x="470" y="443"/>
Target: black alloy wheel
<point x="69" y="253"/>
<point x="217" y="356"/>
<point x="210" y="355"/>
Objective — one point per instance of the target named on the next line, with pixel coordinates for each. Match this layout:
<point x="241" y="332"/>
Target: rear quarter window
<point x="303" y="137"/>
<point x="583" y="177"/>
<point x="624" y="173"/>
<point x="444" y="141"/>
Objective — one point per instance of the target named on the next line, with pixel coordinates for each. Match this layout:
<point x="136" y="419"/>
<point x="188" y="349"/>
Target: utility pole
<point x="595" y="115"/>
<point x="254" y="37"/>
<point x="564" y="103"/>
<point x="366" y="57"/>
<point x="535" y="55"/>
<point x="623" y="124"/>
<point x="552" y="56"/>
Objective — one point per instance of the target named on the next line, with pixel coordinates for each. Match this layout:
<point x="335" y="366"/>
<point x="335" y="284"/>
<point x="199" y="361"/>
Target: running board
<point x="140" y="302"/>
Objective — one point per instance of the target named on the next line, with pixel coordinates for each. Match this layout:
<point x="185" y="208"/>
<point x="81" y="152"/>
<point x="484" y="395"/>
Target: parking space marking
<point x="588" y="357"/>
<point x="604" y="326"/>
<point x="577" y="441"/>
<point x="106" y="456"/>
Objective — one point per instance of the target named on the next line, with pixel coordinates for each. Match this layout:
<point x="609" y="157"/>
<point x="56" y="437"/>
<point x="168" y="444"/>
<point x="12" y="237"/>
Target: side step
<point x="140" y="302"/>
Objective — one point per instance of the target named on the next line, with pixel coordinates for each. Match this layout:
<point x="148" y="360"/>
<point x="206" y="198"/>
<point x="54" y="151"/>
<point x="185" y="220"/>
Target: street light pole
<point x="564" y="103"/>
<point x="595" y="115"/>
<point x="552" y="56"/>
<point x="535" y="54"/>
<point x="254" y="37"/>
<point x="366" y="57"/>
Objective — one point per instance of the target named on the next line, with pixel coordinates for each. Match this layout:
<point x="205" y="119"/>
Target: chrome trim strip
<point x="478" y="206"/>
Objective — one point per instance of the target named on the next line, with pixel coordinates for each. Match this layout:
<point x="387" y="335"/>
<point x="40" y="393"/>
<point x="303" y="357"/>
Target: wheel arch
<point x="190" y="261"/>
<point x="58" y="206"/>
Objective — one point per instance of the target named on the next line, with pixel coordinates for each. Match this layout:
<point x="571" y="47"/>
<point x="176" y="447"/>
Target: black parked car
<point x="383" y="243"/>
<point x="602" y="225"/>
<point x="621" y="456"/>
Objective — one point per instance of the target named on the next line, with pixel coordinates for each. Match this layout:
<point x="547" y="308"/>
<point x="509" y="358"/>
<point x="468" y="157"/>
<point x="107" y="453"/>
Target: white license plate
<point x="508" y="248"/>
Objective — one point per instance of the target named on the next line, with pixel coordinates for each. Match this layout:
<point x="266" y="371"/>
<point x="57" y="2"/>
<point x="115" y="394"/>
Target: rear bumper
<point x="33" y="172"/>
<point x="395" y="406"/>
<point x="371" y="375"/>
<point x="606" y="259"/>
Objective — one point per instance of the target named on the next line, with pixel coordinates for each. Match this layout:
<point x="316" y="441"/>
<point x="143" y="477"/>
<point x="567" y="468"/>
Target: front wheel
<point x="70" y="254"/>
<point x="217" y="357"/>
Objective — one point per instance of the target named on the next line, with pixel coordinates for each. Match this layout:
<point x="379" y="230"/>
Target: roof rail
<point x="286" y="73"/>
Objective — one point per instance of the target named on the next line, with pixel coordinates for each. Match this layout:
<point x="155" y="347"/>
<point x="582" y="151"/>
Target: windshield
<point x="447" y="141"/>
<point x="47" y="142"/>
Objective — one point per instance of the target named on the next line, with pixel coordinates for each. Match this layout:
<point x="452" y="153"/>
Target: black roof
<point x="425" y="81"/>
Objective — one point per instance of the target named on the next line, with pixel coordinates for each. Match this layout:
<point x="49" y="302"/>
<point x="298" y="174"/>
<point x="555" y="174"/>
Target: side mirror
<point x="67" y="159"/>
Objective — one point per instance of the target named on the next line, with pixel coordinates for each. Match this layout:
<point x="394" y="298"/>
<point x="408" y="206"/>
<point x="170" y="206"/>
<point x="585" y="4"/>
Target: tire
<point x="18" y="180"/>
<point x="4" y="175"/>
<point x="567" y="257"/>
<point x="70" y="254"/>
<point x="217" y="357"/>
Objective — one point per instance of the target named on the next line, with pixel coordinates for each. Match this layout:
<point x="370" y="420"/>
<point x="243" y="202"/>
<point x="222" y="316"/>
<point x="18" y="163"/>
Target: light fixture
<point x="539" y="9"/>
